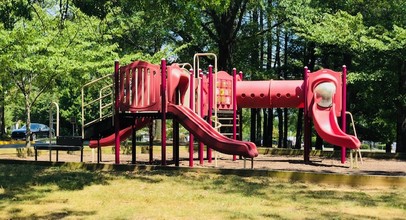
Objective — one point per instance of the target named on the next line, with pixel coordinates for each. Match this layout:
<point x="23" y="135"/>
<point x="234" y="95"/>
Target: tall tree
<point x="225" y="25"/>
<point x="37" y="53"/>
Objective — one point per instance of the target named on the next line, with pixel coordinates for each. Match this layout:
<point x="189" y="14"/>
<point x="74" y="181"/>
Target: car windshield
<point x="32" y="126"/>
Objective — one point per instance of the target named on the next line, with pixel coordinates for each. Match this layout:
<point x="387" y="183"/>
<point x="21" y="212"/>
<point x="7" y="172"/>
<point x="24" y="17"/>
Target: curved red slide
<point x="210" y="136"/>
<point x="124" y="134"/>
<point x="326" y="125"/>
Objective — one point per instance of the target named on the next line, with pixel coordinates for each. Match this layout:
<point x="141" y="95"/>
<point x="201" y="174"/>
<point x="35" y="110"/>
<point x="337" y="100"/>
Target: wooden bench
<point x="63" y="143"/>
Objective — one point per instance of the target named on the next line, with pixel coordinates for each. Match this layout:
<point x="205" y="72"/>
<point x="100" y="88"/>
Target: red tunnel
<point x="270" y="94"/>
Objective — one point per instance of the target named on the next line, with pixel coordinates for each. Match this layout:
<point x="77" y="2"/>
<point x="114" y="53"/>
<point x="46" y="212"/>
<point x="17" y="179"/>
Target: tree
<point x="39" y="53"/>
<point x="13" y="10"/>
<point x="30" y="59"/>
<point x="369" y="39"/>
<point x="10" y="12"/>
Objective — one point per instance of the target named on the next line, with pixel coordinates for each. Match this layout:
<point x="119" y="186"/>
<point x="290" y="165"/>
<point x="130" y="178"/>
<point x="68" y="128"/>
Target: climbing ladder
<point x="225" y="118"/>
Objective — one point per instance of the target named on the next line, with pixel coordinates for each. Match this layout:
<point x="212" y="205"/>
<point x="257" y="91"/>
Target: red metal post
<point x="117" y="111"/>
<point x="133" y="142"/>
<point x="191" y="105"/>
<point x="306" y="135"/>
<point x="201" y="114"/>
<point x="151" y="144"/>
<point x="343" y="110"/>
<point x="163" y="96"/>
<point x="234" y="108"/>
<point x="210" y="105"/>
<point x="240" y="112"/>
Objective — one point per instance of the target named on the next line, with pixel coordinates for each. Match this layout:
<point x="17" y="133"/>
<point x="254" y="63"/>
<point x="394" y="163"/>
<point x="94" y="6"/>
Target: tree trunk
<point x="261" y="40"/>
<point x="319" y="143"/>
<point x="258" y="133"/>
<point x="2" y="113"/>
<point x="265" y="129"/>
<point x="309" y="61"/>
<point x="269" y="68"/>
<point x="157" y="130"/>
<point x="280" y="127"/>
<point x="277" y="65"/>
<point x="299" y="129"/>
<point x="285" y="127"/>
<point x="270" y="125"/>
<point x="310" y="57"/>
<point x="226" y="26"/>
<point x="269" y="50"/>
<point x="401" y="131"/>
<point x="285" y="76"/>
<point x="388" y="147"/>
<point x="401" y="111"/>
<point x="253" y="125"/>
<point x="255" y="52"/>
<point x="224" y="59"/>
<point x="28" y="122"/>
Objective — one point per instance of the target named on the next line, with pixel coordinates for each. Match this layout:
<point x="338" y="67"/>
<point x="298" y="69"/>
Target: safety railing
<point x="357" y="151"/>
<point x="103" y="104"/>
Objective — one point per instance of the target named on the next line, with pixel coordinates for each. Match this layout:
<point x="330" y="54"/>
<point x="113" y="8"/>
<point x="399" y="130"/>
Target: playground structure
<point x="144" y="92"/>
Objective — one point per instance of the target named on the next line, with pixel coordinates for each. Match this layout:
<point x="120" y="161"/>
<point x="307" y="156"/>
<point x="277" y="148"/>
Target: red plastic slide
<point x="326" y="125"/>
<point x="210" y="136"/>
<point x="124" y="134"/>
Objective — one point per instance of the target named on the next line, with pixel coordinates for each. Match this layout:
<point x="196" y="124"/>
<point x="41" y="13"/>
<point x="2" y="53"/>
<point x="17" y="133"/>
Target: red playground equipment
<point x="144" y="92"/>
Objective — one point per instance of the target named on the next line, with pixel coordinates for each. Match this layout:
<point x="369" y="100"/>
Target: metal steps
<point x="225" y="118"/>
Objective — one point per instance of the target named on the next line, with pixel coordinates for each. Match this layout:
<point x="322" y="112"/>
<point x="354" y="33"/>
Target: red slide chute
<point x="124" y="134"/>
<point x="209" y="135"/>
<point x="326" y="125"/>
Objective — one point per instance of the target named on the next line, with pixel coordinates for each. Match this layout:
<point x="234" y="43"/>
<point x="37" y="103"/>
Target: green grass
<point x="41" y="192"/>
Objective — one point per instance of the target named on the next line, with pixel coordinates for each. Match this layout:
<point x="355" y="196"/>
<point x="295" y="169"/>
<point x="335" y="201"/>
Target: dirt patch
<point x="319" y="164"/>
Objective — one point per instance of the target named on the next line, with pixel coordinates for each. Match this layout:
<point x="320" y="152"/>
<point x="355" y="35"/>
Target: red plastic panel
<point x="325" y="75"/>
<point x="177" y="79"/>
<point x="139" y="87"/>
<point x="224" y="91"/>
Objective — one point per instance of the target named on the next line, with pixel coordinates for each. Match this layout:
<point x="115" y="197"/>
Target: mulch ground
<point x="318" y="164"/>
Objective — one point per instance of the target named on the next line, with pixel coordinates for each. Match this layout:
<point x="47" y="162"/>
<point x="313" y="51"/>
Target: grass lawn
<point x="41" y="192"/>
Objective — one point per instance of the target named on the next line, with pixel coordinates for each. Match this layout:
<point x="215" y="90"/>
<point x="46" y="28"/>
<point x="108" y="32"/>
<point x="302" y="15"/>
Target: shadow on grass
<point x="244" y="186"/>
<point x="328" y="197"/>
<point x="54" y="215"/>
<point x="234" y="184"/>
<point x="355" y="198"/>
<point x="71" y="180"/>
<point x="17" y="180"/>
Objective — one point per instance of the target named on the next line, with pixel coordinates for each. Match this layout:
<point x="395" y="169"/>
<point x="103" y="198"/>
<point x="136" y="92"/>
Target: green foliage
<point x="49" y="49"/>
<point x="13" y="10"/>
<point x="40" y="56"/>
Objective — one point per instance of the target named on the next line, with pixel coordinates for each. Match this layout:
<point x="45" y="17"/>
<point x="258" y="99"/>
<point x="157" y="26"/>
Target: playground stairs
<point x="99" y="129"/>
<point x="225" y="118"/>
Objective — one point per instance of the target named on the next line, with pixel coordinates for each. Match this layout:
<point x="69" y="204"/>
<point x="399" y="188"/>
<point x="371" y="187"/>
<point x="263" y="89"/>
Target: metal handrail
<point x="217" y="124"/>
<point x="352" y="122"/>
<point x="98" y="119"/>
<point x="99" y="100"/>
<point x="51" y="120"/>
<point x="196" y="67"/>
<point x="182" y="65"/>
<point x="357" y="151"/>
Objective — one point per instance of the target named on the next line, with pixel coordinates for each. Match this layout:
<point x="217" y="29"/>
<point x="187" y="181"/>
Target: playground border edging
<point x="329" y="154"/>
<point x="288" y="176"/>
